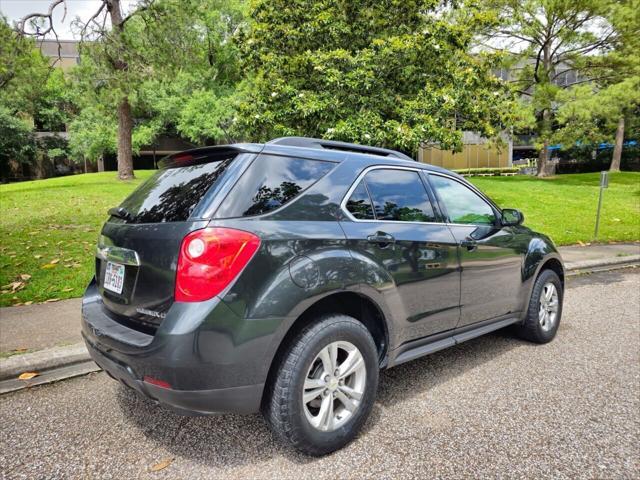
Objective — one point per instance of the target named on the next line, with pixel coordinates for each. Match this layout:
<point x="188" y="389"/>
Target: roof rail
<point x="335" y="145"/>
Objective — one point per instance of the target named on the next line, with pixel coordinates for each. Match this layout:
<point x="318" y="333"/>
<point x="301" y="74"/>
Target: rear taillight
<point x="210" y="259"/>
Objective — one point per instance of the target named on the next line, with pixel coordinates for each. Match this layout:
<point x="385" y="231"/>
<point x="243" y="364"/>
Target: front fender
<point x="540" y="251"/>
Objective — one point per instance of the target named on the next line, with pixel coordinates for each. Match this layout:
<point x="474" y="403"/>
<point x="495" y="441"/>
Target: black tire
<point x="531" y="329"/>
<point x="283" y="407"/>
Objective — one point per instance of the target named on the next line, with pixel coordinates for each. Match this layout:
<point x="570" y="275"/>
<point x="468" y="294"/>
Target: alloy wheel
<point x="549" y="304"/>
<point x="334" y="386"/>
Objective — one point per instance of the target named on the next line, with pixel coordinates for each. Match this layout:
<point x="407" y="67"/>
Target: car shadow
<point x="236" y="440"/>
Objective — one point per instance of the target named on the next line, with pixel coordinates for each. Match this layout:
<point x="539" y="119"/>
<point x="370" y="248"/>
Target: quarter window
<point x="462" y="204"/>
<point x="399" y="195"/>
<point x="359" y="204"/>
<point x="270" y="182"/>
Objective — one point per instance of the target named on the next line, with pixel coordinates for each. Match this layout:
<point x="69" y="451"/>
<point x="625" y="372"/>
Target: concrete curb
<point x="43" y="361"/>
<point x="601" y="262"/>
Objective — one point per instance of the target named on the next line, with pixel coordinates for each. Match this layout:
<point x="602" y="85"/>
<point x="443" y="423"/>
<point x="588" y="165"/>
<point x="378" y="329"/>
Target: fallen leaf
<point x="48" y="265"/>
<point x="51" y="300"/>
<point x="162" y="465"/>
<point x="25" y="276"/>
<point x="28" y="303"/>
<point x="54" y="261"/>
<point x="68" y="289"/>
<point x="581" y="243"/>
<point x="15" y="286"/>
<point x="37" y="256"/>
<point x="28" y="375"/>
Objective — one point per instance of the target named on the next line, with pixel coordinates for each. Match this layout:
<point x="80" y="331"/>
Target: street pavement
<point x="492" y="407"/>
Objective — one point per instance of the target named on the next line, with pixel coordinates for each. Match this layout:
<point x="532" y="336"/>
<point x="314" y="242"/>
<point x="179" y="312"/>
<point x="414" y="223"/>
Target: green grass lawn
<point x="48" y="231"/>
<point x="49" y="228"/>
<point x="564" y="207"/>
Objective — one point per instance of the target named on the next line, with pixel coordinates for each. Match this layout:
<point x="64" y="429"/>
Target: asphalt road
<point x="493" y="407"/>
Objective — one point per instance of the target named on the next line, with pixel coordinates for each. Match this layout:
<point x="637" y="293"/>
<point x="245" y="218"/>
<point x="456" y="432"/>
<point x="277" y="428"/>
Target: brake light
<point x="210" y="259"/>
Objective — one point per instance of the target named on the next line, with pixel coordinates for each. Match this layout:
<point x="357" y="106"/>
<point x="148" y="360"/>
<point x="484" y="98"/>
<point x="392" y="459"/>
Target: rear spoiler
<point x="198" y="156"/>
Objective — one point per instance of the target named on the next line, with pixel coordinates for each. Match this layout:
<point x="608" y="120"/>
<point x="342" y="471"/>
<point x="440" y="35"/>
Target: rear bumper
<point x="245" y="399"/>
<point x="197" y="351"/>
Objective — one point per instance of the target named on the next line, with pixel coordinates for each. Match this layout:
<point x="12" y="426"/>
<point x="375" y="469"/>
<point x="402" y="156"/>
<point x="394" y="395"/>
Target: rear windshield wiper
<point x="120" y="213"/>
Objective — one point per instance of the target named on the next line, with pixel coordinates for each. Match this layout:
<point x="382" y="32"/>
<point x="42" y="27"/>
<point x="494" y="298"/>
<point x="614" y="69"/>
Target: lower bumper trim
<point x="243" y="399"/>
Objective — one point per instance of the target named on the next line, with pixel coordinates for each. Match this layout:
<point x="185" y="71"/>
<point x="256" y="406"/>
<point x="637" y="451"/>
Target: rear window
<point x="171" y="194"/>
<point x="270" y="182"/>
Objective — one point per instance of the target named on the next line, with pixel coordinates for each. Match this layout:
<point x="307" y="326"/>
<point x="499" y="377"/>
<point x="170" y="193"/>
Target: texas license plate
<point x="114" y="277"/>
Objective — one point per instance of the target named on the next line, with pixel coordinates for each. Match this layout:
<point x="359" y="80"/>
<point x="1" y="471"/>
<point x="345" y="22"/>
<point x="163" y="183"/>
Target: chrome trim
<point x="354" y="185"/>
<point x="120" y="255"/>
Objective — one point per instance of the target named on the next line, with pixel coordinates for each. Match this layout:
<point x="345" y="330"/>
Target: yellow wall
<point x="471" y="156"/>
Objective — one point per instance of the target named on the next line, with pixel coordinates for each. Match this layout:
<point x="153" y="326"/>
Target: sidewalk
<point x="37" y="336"/>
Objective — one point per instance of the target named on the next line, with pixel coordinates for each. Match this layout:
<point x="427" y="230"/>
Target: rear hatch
<point x="138" y="249"/>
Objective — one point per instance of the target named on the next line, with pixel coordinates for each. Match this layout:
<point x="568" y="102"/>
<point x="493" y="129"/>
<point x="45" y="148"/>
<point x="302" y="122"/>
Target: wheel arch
<point x="353" y="304"/>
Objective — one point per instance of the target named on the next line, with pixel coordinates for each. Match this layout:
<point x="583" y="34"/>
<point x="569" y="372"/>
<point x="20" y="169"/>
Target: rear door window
<point x="399" y="195"/>
<point x="171" y="194"/>
<point x="270" y="182"/>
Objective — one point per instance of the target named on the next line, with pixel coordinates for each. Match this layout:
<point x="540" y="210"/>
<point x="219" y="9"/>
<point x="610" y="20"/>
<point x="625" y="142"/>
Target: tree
<point x="545" y="40"/>
<point x="131" y="68"/>
<point x="386" y="73"/>
<point x="598" y="111"/>
<point x="23" y="70"/>
<point x="17" y="145"/>
<point x="116" y="57"/>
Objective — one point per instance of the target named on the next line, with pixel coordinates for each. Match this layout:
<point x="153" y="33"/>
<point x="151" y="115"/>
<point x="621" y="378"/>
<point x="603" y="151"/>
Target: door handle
<point x="381" y="238"/>
<point x="469" y="244"/>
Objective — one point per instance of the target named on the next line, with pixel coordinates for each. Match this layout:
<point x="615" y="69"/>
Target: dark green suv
<point x="282" y="277"/>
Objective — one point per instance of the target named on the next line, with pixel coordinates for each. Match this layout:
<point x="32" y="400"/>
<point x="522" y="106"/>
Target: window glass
<point x="359" y="204"/>
<point x="462" y="204"/>
<point x="171" y="194"/>
<point x="399" y="195"/>
<point x="270" y="182"/>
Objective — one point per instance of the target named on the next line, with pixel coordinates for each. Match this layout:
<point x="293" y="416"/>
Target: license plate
<point x="114" y="277"/>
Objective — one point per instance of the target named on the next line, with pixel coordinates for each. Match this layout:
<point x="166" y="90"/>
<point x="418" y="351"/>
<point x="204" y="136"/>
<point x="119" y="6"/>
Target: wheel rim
<point x="334" y="386"/>
<point x="549" y="304"/>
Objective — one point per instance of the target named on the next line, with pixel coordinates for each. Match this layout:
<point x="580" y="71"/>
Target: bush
<point x="470" y="172"/>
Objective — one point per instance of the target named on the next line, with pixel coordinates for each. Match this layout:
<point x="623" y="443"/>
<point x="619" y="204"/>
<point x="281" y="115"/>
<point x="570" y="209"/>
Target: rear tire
<point x="545" y="309"/>
<point x="308" y="406"/>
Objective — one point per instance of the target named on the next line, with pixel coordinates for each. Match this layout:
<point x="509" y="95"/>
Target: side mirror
<point x="511" y="217"/>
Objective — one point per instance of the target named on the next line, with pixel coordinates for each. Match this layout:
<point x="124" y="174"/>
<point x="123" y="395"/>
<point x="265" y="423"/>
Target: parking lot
<point x="492" y="407"/>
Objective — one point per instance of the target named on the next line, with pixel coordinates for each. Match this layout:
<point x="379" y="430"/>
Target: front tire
<point x="545" y="309"/>
<point x="324" y="387"/>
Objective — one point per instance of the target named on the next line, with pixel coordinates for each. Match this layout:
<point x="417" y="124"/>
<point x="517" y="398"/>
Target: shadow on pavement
<point x="236" y="440"/>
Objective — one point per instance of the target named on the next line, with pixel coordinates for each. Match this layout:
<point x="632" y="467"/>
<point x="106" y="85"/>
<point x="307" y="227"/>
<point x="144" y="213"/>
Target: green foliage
<point x="23" y="70"/>
<point x="92" y="134"/>
<point x="16" y="141"/>
<point x="541" y="40"/>
<point x="181" y="68"/>
<point x="590" y="112"/>
<point x="386" y="73"/>
<point x="487" y="171"/>
<point x="590" y="115"/>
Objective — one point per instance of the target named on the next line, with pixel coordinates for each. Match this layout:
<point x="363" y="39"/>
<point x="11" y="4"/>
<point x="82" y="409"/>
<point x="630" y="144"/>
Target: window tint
<point x="359" y="204"/>
<point x="399" y="195"/>
<point x="171" y="194"/>
<point x="270" y="182"/>
<point x="462" y="204"/>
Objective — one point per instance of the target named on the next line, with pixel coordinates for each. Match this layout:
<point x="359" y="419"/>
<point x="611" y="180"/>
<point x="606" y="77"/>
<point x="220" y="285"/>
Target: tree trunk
<point x="617" y="149"/>
<point x="125" y="120"/>
<point x="543" y="156"/>
<point x="125" y="152"/>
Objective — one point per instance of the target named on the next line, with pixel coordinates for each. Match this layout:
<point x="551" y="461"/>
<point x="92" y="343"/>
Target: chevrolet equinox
<point x="281" y="277"/>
